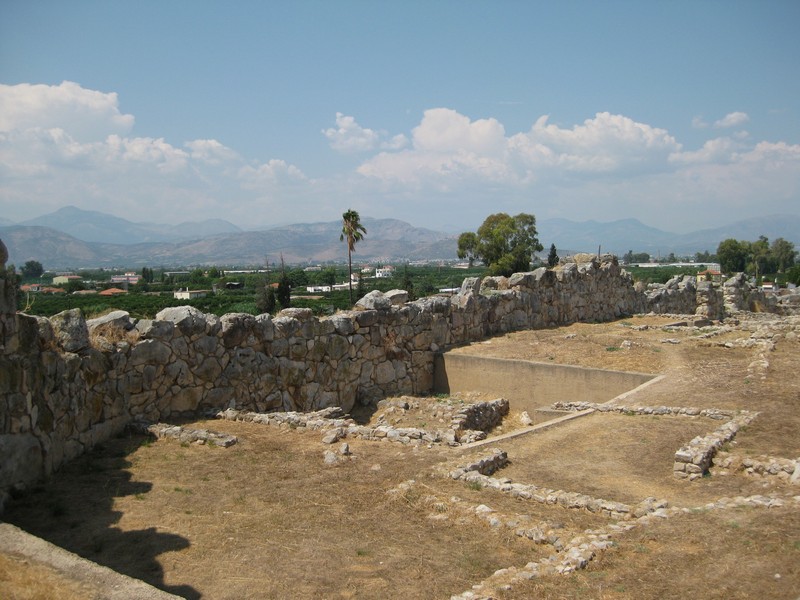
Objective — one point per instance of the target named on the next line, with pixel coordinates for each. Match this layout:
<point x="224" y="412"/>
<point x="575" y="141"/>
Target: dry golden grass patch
<point x="23" y="579"/>
<point x="267" y="515"/>
<point x="736" y="554"/>
<point x="619" y="457"/>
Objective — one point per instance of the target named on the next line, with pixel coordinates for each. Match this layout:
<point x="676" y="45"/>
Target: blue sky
<point x="683" y="114"/>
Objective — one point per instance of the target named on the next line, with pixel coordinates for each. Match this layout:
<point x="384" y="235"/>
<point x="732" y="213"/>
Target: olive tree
<point x="504" y="243"/>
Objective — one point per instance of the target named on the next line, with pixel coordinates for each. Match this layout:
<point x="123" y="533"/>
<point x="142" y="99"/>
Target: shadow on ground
<point x="75" y="510"/>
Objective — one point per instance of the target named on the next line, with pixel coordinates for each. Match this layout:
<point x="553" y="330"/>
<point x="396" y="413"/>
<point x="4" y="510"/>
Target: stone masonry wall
<point x="67" y="384"/>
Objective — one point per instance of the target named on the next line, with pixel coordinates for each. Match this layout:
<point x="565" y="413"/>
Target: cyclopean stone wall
<point x="67" y="384"/>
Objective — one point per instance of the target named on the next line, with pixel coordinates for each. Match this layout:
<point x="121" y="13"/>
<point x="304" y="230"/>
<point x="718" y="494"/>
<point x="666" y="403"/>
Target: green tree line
<point x="758" y="258"/>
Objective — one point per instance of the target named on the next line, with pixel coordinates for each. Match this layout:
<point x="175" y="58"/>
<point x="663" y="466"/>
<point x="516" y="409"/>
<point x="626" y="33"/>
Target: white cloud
<point x="718" y="150"/>
<point x="699" y="123"/>
<point x="447" y="145"/>
<point x="143" y="151"/>
<point x="210" y="152"/>
<point x="74" y="146"/>
<point x="733" y="119"/>
<point x="397" y="142"/>
<point x="443" y="130"/>
<point x="69" y="145"/>
<point x="605" y="143"/>
<point x="349" y="136"/>
<point x="271" y="172"/>
<point x="609" y="166"/>
<point x="84" y="114"/>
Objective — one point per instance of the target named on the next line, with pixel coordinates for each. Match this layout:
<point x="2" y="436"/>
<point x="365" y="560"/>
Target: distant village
<point x="121" y="283"/>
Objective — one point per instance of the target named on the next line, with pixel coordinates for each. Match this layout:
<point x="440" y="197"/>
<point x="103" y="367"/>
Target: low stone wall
<point x="469" y="424"/>
<point x="694" y="459"/>
<point x="782" y="469"/>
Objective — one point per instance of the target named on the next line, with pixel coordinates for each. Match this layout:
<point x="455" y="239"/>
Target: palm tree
<point x="352" y="231"/>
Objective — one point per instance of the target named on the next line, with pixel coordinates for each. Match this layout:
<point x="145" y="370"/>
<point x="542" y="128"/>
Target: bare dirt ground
<point x="268" y="518"/>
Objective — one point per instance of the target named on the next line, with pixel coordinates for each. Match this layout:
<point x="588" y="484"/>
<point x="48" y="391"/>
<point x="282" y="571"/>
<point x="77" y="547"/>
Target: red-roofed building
<point x="112" y="292"/>
<point x="709" y="275"/>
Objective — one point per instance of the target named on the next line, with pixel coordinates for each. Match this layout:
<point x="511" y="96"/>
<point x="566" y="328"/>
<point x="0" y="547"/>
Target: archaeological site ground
<point x="268" y="517"/>
<point x="640" y="456"/>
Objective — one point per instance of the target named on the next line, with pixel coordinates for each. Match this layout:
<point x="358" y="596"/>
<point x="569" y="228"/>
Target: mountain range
<point x="71" y="238"/>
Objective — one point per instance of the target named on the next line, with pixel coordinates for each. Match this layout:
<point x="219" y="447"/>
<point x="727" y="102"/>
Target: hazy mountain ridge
<point x="95" y="226"/>
<point x="387" y="240"/>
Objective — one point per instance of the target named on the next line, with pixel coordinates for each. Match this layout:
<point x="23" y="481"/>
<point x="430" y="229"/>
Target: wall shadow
<point x="74" y="509"/>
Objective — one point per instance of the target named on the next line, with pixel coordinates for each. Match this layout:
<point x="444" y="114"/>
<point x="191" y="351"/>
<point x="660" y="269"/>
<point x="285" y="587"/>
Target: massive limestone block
<point x="71" y="332"/>
<point x="397" y="297"/>
<point x="187" y="319"/>
<point x="157" y="330"/>
<point x="470" y="285"/>
<point x="22" y="460"/>
<point x="117" y="319"/>
<point x="343" y="323"/>
<point x="237" y="328"/>
<point x="375" y="300"/>
<point x="149" y="352"/>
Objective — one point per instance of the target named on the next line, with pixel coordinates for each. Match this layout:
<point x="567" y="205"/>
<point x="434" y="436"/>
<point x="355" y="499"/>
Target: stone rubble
<point x="576" y="553"/>
<point x="184" y="434"/>
<point x="766" y="467"/>
<point x="339" y="426"/>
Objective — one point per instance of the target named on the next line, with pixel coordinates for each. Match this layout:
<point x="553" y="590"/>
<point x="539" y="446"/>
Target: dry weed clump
<point x="105" y="337"/>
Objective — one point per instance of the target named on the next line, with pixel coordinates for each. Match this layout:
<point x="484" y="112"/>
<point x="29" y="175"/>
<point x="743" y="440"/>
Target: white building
<point x="190" y="294"/>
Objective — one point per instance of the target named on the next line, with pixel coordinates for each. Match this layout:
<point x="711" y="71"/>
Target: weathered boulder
<point x="375" y="300"/>
<point x="117" y="319"/>
<point x="236" y="327"/>
<point x="470" y="285"/>
<point x="187" y="319"/>
<point x="397" y="297"/>
<point x="584" y="257"/>
<point x="69" y="328"/>
<point x="157" y="330"/>
<point x="149" y="352"/>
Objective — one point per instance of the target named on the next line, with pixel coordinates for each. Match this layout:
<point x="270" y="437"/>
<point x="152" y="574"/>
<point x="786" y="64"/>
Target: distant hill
<point x="71" y="238"/>
<point x="615" y="236"/>
<point x="631" y="234"/>
<point x="94" y="226"/>
<point x="387" y="240"/>
<point x="54" y="249"/>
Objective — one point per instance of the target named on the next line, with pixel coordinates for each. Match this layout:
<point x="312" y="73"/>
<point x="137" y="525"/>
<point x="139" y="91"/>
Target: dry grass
<point x="267" y="518"/>
<point x="21" y="579"/>
<point x="104" y="336"/>
<point x="740" y="554"/>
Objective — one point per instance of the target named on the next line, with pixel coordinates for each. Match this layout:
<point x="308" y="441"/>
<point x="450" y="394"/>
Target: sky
<point x="682" y="114"/>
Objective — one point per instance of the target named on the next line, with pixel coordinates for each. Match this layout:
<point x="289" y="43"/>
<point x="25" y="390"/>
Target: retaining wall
<point x="530" y="385"/>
